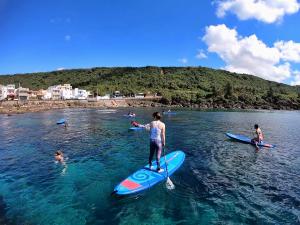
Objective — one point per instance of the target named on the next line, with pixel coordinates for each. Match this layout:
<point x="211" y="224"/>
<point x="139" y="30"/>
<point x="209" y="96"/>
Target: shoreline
<point x="20" y="107"/>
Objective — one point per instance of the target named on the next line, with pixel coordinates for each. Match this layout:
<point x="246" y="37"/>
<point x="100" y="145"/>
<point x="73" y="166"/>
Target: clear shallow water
<point x="220" y="182"/>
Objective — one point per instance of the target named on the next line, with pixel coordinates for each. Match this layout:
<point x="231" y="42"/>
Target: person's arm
<point x="163" y="135"/>
<point x="146" y="126"/>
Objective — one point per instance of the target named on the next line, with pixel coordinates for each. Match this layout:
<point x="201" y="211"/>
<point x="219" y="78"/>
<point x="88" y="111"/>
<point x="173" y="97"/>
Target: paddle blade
<point x="169" y="184"/>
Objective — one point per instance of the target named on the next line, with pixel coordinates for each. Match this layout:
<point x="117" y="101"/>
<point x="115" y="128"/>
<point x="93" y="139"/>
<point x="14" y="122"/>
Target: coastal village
<point x="57" y="92"/>
<point x="20" y="99"/>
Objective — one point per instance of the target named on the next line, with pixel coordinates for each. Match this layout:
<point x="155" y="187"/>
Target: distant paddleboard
<point x="247" y="140"/>
<point x="107" y="110"/>
<point x="169" y="113"/>
<point x="129" y="116"/>
<point x="61" y="121"/>
<point x="136" y="128"/>
<point x="145" y="178"/>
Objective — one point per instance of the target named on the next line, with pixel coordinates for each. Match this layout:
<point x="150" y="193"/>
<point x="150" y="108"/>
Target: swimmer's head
<point x="58" y="153"/>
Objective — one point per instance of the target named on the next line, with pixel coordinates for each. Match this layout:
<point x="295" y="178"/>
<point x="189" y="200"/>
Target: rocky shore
<point x="12" y="107"/>
<point x="239" y="105"/>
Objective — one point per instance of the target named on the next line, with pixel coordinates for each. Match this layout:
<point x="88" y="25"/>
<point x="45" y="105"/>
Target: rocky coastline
<point x="16" y="107"/>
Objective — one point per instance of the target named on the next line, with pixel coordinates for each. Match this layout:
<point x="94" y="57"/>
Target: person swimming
<point x="157" y="139"/>
<point x="59" y="156"/>
<point x="259" y="136"/>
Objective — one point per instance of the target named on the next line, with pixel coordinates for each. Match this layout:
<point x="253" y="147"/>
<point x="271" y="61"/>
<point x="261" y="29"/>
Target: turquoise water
<point x="220" y="182"/>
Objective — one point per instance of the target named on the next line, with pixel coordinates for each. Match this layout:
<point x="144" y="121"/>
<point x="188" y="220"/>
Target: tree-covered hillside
<point x="177" y="85"/>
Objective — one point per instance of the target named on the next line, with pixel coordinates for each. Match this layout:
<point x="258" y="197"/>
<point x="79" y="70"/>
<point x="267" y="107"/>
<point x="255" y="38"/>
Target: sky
<point x="259" y="37"/>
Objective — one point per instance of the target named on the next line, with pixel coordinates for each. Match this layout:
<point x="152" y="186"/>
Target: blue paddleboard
<point x="129" y="116"/>
<point x="145" y="178"/>
<point x="247" y="140"/>
<point x="61" y="121"/>
<point x="136" y="128"/>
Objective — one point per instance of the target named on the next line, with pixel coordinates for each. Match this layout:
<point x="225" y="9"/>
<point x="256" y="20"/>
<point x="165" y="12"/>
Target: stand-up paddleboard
<point x="146" y="178"/>
<point x="169" y="113"/>
<point x="61" y="121"/>
<point x="247" y="140"/>
<point x="136" y="128"/>
<point x="129" y="116"/>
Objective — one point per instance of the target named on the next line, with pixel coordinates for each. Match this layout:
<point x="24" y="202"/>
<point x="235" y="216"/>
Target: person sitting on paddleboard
<point x="259" y="135"/>
<point x="131" y="114"/>
<point x="135" y="124"/>
<point x="157" y="139"/>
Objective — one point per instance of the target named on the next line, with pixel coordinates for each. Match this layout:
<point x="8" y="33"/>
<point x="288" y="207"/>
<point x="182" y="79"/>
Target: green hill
<point x="177" y="85"/>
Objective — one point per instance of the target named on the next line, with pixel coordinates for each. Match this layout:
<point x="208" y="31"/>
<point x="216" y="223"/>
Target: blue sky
<point x="49" y="35"/>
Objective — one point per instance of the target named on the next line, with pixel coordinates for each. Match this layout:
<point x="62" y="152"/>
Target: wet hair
<point x="58" y="153"/>
<point x="156" y="115"/>
<point x="256" y="126"/>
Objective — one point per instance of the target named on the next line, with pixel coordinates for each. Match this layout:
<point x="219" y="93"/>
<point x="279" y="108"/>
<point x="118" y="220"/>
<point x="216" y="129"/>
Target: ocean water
<point x="220" y="182"/>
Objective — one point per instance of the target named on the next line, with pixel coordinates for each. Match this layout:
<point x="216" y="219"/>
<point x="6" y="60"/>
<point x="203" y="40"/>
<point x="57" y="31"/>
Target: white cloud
<point x="296" y="80"/>
<point x="201" y="54"/>
<point x="251" y="55"/>
<point x="290" y="51"/>
<point x="267" y="11"/>
<point x="183" y="60"/>
<point x="60" y="68"/>
<point x="67" y="37"/>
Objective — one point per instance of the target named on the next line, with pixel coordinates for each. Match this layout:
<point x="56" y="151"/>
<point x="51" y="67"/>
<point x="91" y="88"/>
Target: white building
<point x="53" y="93"/>
<point x="80" y="93"/>
<point x="139" y="95"/>
<point x="66" y="91"/>
<point x="11" y="91"/>
<point x="107" y="96"/>
<point x="3" y="92"/>
<point x="22" y="93"/>
<point x="46" y="94"/>
<point x="59" y="92"/>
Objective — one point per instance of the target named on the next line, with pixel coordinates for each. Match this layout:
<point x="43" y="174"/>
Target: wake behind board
<point x="61" y="121"/>
<point x="247" y="140"/>
<point x="145" y="178"/>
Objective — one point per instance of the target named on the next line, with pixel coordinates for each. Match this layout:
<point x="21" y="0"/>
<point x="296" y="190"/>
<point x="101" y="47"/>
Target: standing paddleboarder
<point x="157" y="139"/>
<point x="259" y="136"/>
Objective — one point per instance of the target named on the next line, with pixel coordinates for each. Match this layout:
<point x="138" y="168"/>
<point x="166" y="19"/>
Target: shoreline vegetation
<point x="195" y="87"/>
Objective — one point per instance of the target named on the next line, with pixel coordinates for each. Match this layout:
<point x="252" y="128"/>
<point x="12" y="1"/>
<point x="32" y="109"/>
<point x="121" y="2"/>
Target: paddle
<point x="169" y="183"/>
